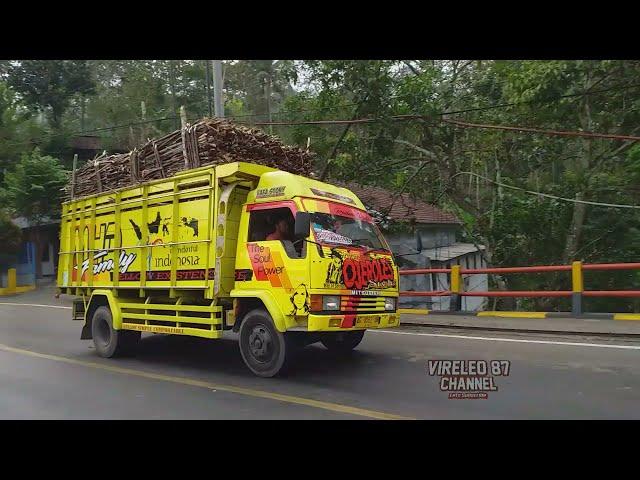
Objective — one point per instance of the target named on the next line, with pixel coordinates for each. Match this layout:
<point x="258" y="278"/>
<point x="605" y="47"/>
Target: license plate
<point x="368" y="321"/>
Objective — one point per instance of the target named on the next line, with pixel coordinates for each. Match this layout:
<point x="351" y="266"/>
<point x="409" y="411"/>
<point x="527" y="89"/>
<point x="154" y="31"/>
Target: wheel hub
<point x="260" y="343"/>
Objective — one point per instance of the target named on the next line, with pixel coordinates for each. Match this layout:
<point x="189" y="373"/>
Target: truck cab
<point x="312" y="255"/>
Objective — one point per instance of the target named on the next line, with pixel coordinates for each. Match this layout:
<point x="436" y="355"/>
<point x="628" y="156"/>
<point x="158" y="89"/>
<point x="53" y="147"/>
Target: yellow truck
<point x="282" y="260"/>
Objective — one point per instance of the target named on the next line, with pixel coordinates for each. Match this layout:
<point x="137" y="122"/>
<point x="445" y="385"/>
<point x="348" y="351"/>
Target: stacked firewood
<point x="209" y="141"/>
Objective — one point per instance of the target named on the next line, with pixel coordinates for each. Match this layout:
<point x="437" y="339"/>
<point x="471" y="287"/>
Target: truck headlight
<point x="389" y="303"/>
<point x="330" y="302"/>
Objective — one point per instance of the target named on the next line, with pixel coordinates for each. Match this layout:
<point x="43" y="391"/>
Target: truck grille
<point x="353" y="303"/>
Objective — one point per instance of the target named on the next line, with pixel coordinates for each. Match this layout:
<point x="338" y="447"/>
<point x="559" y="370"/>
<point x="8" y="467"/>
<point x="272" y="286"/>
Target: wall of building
<point x="25" y="266"/>
<point x="431" y="236"/>
<point x="48" y="260"/>
<point x="47" y="244"/>
<point x="440" y="281"/>
<point x="436" y="237"/>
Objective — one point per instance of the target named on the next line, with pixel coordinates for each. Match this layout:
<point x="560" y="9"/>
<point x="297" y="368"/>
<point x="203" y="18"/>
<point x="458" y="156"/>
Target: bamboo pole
<point x="73" y="175"/>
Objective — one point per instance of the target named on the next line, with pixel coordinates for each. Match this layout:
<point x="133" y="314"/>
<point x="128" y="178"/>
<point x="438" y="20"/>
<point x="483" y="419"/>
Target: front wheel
<point x="264" y="349"/>
<point x="342" y="342"/>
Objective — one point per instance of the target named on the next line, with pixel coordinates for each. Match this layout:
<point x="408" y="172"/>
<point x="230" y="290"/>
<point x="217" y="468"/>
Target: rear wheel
<point x="342" y="342"/>
<point x="264" y="349"/>
<point x="108" y="341"/>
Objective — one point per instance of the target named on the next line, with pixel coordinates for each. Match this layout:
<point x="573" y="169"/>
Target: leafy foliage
<point x="10" y="234"/>
<point x="33" y="187"/>
<point x="18" y="130"/>
<point x="48" y="85"/>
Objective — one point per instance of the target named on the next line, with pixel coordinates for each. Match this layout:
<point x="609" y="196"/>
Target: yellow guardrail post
<point x="577" y="287"/>
<point x="455" y="304"/>
<point x="11" y="280"/>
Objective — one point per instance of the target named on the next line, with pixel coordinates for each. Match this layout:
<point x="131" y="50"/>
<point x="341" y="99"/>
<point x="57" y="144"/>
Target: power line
<point x="113" y="127"/>
<point x="342" y="122"/>
<point x="452" y="112"/>
<point x="531" y="192"/>
<point x="551" y="100"/>
<point x="560" y="133"/>
<point x="459" y="124"/>
<point x="406" y="117"/>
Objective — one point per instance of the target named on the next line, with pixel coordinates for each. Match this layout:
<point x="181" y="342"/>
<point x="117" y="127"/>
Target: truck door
<point x="278" y="263"/>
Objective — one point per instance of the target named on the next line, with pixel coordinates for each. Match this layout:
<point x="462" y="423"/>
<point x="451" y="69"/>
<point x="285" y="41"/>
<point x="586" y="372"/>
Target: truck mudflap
<point x="86" y="332"/>
<point x="328" y="323"/>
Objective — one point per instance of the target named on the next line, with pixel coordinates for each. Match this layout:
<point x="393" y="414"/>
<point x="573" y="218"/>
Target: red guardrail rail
<point x="611" y="266"/>
<point x="576" y="293"/>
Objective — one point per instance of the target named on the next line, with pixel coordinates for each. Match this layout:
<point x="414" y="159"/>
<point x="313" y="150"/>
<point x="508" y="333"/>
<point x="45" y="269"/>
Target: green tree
<point x="263" y="85"/>
<point x="19" y="131"/>
<point x="10" y="234"/>
<point x="33" y="188"/>
<point x="456" y="167"/>
<point x="49" y="85"/>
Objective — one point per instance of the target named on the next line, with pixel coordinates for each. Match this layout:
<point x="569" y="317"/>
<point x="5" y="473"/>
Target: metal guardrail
<point x="576" y="293"/>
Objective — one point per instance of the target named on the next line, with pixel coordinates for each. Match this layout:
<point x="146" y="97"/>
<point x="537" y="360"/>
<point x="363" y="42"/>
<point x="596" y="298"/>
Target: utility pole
<point x="217" y="88"/>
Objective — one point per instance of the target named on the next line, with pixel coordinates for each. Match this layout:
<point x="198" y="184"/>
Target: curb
<point x="507" y="314"/>
<point x="16" y="290"/>
<point x="547" y="330"/>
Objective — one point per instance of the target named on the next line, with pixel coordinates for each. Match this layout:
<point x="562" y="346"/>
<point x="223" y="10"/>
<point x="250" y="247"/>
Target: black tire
<point x="266" y="351"/>
<point x="109" y="342"/>
<point x="342" y="342"/>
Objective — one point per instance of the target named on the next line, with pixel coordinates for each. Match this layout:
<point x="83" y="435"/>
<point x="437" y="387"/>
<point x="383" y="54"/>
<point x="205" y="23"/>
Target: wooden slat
<point x="118" y="241"/>
<point x="145" y="239"/>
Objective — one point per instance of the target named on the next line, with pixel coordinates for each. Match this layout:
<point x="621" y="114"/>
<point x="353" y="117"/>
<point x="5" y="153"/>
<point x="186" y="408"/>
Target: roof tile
<point x="402" y="208"/>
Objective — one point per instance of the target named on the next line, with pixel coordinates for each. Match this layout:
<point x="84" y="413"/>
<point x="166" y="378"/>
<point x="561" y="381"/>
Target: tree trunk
<point x="583" y="165"/>
<point x="172" y="87"/>
<point x="143" y="130"/>
<point x="267" y="93"/>
<point x="132" y="138"/>
<point x="575" y="231"/>
<point x="82" y="111"/>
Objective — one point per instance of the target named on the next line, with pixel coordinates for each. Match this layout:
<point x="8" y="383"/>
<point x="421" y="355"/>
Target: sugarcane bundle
<point x="206" y="142"/>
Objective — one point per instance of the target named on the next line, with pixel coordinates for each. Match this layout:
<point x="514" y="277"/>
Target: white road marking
<point x="516" y="340"/>
<point x="464" y="337"/>
<point x="35" y="305"/>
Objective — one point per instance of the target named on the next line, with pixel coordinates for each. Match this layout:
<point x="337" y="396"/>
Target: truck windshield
<point x="332" y="229"/>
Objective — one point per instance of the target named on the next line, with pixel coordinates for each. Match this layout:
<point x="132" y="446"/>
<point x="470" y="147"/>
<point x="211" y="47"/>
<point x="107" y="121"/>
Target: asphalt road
<point x="47" y="372"/>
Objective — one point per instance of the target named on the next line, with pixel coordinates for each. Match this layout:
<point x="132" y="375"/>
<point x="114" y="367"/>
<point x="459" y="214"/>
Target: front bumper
<point x="341" y="323"/>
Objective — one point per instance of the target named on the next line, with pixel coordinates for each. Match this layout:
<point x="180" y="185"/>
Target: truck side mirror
<point x="302" y="225"/>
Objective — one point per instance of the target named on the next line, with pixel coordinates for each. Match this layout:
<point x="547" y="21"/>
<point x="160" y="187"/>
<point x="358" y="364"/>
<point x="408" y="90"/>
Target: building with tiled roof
<point x="401" y="207"/>
<point x="434" y="231"/>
